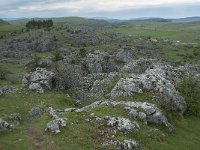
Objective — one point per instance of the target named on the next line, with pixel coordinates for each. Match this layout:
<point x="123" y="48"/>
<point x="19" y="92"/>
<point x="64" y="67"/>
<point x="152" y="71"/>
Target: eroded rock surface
<point x="152" y="79"/>
<point x="121" y="124"/>
<point x="127" y="145"/>
<point x="37" y="79"/>
<point x="5" y="125"/>
<point x="6" y="90"/>
<point x="54" y="125"/>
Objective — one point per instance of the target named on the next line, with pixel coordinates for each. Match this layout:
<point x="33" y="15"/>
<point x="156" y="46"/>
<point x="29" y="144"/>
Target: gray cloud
<point x="104" y="8"/>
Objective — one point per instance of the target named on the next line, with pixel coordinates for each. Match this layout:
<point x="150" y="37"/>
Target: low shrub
<point x="2" y="73"/>
<point x="67" y="75"/>
<point x="189" y="87"/>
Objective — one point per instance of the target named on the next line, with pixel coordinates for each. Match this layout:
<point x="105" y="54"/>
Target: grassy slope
<point x="80" y="134"/>
<point x="184" y="32"/>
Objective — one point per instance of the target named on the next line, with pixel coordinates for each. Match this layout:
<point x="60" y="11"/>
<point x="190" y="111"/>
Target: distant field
<point x="185" y="32"/>
<point x="9" y="28"/>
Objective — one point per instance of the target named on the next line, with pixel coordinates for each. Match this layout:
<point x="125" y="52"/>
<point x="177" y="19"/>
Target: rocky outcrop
<point x="5" y="125"/>
<point x="127" y="145"/>
<point x="15" y="117"/>
<point x="36" y="112"/>
<point x="54" y="125"/>
<point x="93" y="63"/>
<point x="125" y="55"/>
<point x="138" y="66"/>
<point x="146" y="112"/>
<point x="152" y="79"/>
<point x="99" y="62"/>
<point x="46" y="62"/>
<point x="38" y="79"/>
<point x="6" y="90"/>
<point x="121" y="124"/>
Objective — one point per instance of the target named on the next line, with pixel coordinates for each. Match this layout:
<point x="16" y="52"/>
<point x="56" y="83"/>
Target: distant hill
<point x="188" y="19"/>
<point x="71" y="20"/>
<point x="2" y="23"/>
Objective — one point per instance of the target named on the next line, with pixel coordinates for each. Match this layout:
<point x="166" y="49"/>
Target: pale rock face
<point x="36" y="87"/>
<point x="138" y="66"/>
<point x="125" y="55"/>
<point x="127" y="145"/>
<point x="93" y="63"/>
<point x="5" y="125"/>
<point x="46" y="62"/>
<point x="7" y="89"/>
<point x="54" y="125"/>
<point x="152" y="79"/>
<point x="125" y="87"/>
<point x="36" y="112"/>
<point x="35" y="80"/>
<point x="122" y="124"/>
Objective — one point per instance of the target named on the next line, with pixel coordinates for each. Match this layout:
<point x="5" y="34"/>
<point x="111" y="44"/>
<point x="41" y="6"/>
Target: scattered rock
<point x="15" y="117"/>
<point x="127" y="145"/>
<point x="138" y="66"/>
<point x="36" y="112"/>
<point x="46" y="62"/>
<point x="152" y="79"/>
<point x="54" y="125"/>
<point x="36" y="87"/>
<point x="37" y="79"/>
<point x="6" y="90"/>
<point x="5" y="125"/>
<point x="121" y="124"/>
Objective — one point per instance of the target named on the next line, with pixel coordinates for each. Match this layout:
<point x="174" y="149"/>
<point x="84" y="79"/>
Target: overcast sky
<point x="122" y="9"/>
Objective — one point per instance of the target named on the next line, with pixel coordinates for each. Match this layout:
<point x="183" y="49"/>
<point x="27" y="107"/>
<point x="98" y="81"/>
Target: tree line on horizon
<point x="33" y="24"/>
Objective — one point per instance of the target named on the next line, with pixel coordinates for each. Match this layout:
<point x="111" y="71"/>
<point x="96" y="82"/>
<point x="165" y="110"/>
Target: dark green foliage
<point x="33" y="64"/>
<point x="57" y="56"/>
<point x="82" y="52"/>
<point x="67" y="75"/>
<point x="2" y="74"/>
<point x="39" y="24"/>
<point x="190" y="89"/>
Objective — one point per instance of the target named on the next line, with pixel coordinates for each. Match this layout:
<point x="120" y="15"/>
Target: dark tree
<point x="39" y="24"/>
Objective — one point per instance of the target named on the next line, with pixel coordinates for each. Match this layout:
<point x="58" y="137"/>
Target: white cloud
<point x="101" y="5"/>
<point x="83" y="7"/>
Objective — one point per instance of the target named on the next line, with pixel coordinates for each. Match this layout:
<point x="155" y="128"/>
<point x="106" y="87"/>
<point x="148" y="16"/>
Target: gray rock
<point x="138" y="66"/>
<point x="138" y="114"/>
<point x="15" y="117"/>
<point x="127" y="145"/>
<point x="36" y="112"/>
<point x="54" y="125"/>
<point x="93" y="63"/>
<point x="121" y="124"/>
<point x="46" y="62"/>
<point x="6" y="90"/>
<point x="125" y="55"/>
<point x="5" y="125"/>
<point x="152" y="79"/>
<point x="36" y="87"/>
<point x="149" y="113"/>
<point x="125" y="87"/>
<point x="35" y="80"/>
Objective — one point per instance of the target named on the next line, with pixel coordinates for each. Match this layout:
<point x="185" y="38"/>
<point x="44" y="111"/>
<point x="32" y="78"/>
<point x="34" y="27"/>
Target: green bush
<point x="189" y="87"/>
<point x="2" y="74"/>
<point x="82" y="52"/>
<point x="57" y="56"/>
<point x="33" y="64"/>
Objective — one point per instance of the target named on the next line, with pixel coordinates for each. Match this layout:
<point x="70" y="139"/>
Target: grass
<point x="145" y="32"/>
<point x="184" y="32"/>
<point x="181" y="55"/>
<point x="186" y="136"/>
<point x="79" y="133"/>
